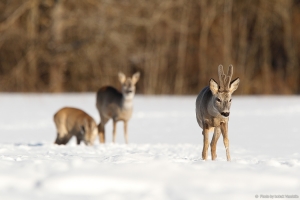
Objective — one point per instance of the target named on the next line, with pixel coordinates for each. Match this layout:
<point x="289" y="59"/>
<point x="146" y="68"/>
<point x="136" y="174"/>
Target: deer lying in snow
<point x="74" y="122"/>
<point x="116" y="105"/>
<point x="213" y="109"/>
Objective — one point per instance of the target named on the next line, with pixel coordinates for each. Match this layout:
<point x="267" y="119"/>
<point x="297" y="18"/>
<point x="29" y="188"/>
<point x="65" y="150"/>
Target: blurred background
<point x="79" y="46"/>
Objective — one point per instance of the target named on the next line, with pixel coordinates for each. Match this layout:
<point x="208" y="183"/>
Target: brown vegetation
<point x="74" y="45"/>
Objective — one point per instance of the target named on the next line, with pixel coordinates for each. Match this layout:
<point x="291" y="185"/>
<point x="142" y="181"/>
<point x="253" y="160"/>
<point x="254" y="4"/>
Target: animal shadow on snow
<point x="38" y="144"/>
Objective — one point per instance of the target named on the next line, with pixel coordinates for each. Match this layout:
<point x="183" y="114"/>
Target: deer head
<point x="128" y="84"/>
<point x="221" y="97"/>
<point x="89" y="132"/>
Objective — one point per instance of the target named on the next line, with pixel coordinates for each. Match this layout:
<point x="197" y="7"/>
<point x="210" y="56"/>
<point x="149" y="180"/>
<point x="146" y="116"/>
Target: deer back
<point x="110" y="103"/>
<point x="76" y="122"/>
<point x="202" y="106"/>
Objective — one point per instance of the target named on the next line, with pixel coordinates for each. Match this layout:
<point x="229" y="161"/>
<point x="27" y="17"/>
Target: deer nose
<point x="225" y="114"/>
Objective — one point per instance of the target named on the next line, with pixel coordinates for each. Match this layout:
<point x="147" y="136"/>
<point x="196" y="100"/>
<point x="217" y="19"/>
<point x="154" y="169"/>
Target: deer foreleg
<point x="125" y="131"/>
<point x="224" y="129"/>
<point x="205" y="143"/>
<point x="213" y="144"/>
<point x="114" y="130"/>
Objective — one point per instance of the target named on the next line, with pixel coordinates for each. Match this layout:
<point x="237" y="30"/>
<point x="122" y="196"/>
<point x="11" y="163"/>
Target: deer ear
<point x="234" y="85"/>
<point x="122" y="77"/>
<point x="136" y="77"/>
<point x="213" y="86"/>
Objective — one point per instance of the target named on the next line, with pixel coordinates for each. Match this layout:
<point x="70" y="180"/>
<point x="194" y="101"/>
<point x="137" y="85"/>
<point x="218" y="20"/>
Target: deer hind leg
<point x="57" y="140"/>
<point x="213" y="144"/>
<point x="61" y="134"/>
<point x="78" y="139"/>
<point x="125" y="131"/>
<point x="66" y="139"/>
<point x="114" y="130"/>
<point x="224" y="129"/>
<point x="205" y="133"/>
<point x="63" y="140"/>
<point x="101" y="129"/>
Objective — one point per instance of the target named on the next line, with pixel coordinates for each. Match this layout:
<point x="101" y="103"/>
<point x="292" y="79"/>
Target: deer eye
<point x="218" y="100"/>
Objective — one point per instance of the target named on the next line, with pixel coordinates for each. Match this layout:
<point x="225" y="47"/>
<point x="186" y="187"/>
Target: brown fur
<point x="213" y="109"/>
<point x="116" y="105"/>
<point x="74" y="122"/>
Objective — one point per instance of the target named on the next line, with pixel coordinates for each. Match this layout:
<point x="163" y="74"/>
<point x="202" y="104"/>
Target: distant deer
<point x="74" y="122"/>
<point x="116" y="105"/>
<point x="213" y="109"/>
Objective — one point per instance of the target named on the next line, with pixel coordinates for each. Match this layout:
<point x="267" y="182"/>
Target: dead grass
<point x="67" y="46"/>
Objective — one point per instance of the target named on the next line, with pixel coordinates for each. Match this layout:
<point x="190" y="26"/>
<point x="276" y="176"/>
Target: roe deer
<point x="116" y="105"/>
<point x="213" y="109"/>
<point x="74" y="122"/>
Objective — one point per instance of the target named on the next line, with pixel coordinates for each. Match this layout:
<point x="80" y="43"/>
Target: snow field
<point x="163" y="159"/>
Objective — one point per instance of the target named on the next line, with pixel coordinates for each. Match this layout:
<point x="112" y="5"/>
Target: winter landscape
<point x="163" y="158"/>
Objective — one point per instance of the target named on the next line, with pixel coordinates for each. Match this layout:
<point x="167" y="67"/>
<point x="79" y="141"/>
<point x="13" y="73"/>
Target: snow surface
<point x="163" y="159"/>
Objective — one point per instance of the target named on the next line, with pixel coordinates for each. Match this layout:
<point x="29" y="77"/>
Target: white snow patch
<point x="163" y="160"/>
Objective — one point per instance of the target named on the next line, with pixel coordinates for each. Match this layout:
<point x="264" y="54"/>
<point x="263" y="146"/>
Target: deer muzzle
<point x="225" y="114"/>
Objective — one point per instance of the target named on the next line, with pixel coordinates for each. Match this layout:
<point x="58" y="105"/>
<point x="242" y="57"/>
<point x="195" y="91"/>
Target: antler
<point x="225" y="79"/>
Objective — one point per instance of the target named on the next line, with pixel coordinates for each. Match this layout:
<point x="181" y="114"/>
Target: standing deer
<point x="213" y="109"/>
<point x="117" y="105"/>
<point x="74" y="122"/>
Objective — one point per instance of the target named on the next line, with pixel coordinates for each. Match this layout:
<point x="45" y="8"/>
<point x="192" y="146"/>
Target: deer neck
<point x="127" y="103"/>
<point x="211" y="109"/>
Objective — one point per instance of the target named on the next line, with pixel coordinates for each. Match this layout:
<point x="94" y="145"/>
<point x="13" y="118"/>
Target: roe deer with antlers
<point x="213" y="109"/>
<point x="116" y="105"/>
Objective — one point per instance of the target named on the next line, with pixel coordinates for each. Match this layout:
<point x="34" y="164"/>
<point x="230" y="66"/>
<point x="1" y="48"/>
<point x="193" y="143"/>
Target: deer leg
<point x="101" y="133"/>
<point x="78" y="140"/>
<point x="61" y="133"/>
<point x="224" y="129"/>
<point x="64" y="140"/>
<point x="114" y="130"/>
<point x="205" y="143"/>
<point x="125" y="132"/>
<point x="57" y="140"/>
<point x="61" y="138"/>
<point x="101" y="129"/>
<point x="213" y="144"/>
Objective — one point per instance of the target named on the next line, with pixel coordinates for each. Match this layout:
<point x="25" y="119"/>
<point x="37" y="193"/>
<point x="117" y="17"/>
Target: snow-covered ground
<point x="163" y="159"/>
